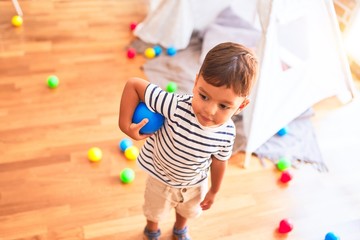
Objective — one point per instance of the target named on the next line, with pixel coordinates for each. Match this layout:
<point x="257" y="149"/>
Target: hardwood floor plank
<point x="33" y="163"/>
<point x="62" y="233"/>
<point x="29" y="224"/>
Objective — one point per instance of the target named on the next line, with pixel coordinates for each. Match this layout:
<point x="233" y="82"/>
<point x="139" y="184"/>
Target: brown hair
<point x="231" y="65"/>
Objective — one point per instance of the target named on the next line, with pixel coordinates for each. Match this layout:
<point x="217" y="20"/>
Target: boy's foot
<point x="181" y="234"/>
<point x="151" y="235"/>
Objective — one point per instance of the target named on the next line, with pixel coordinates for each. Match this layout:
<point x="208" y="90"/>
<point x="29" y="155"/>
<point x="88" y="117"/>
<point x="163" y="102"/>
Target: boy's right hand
<point x="134" y="130"/>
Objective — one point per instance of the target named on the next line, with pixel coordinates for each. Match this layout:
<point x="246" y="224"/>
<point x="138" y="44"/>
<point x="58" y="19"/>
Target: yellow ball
<point x="150" y="53"/>
<point x="17" y="21"/>
<point x="132" y="153"/>
<point x="94" y="154"/>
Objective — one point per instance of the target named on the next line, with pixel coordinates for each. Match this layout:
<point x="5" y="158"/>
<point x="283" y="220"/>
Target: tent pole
<point x="247" y="159"/>
<point x="341" y="50"/>
<point x="17" y="8"/>
<point x="262" y="6"/>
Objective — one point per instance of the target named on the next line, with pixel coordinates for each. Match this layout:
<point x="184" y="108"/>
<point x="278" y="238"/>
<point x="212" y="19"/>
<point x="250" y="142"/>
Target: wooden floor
<point x="48" y="188"/>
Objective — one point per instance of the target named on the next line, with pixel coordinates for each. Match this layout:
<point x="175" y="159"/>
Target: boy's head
<point x="231" y="65"/>
<point x="223" y="83"/>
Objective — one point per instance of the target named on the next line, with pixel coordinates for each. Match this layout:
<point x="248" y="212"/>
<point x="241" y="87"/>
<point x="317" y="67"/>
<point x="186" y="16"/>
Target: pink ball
<point x="285" y="226"/>
<point x="131" y="53"/>
<point x="133" y="26"/>
<point x="286" y="177"/>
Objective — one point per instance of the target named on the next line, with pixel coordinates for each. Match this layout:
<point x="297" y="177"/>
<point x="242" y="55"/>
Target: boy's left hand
<point x="134" y="130"/>
<point x="208" y="201"/>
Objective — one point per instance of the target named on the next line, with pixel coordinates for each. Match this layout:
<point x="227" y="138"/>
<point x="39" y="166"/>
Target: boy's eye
<point x="223" y="106"/>
<point x="203" y="97"/>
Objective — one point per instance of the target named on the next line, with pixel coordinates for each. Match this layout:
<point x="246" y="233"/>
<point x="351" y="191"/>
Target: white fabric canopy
<point x="169" y="23"/>
<point x="301" y="63"/>
<point x="300" y="52"/>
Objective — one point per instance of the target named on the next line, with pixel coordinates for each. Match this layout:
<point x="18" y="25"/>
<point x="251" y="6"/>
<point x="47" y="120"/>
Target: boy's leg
<point x="188" y="208"/>
<point x="180" y="222"/>
<point x="180" y="231"/>
<point x="156" y="206"/>
<point x="151" y="234"/>
<point x="151" y="231"/>
<point x="152" y="226"/>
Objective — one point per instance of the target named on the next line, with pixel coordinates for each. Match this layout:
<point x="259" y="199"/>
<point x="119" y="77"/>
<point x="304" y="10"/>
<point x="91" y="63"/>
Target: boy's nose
<point x="210" y="110"/>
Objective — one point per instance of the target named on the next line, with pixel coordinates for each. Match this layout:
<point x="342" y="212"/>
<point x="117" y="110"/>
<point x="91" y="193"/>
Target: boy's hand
<point x="134" y="130"/>
<point x="208" y="200"/>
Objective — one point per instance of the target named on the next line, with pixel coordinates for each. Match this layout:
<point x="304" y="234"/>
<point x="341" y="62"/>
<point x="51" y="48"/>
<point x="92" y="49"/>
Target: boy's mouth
<point x="205" y="119"/>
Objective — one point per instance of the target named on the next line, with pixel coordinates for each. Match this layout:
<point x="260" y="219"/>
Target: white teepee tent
<point x="301" y="63"/>
<point x="300" y="52"/>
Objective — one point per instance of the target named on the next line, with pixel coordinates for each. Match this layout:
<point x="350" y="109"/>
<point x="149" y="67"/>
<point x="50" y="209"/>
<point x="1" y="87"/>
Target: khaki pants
<point x="161" y="198"/>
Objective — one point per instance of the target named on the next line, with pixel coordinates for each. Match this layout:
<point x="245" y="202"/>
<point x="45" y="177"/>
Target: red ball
<point x="285" y="226"/>
<point x="131" y="53"/>
<point x="286" y="177"/>
<point x="133" y="26"/>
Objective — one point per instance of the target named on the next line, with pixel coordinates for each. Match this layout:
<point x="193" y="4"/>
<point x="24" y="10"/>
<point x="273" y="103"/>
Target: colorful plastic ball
<point x="283" y="164"/>
<point x="131" y="153"/>
<point x="171" y="87"/>
<point x="171" y="51"/>
<point x="155" y="122"/>
<point x="52" y="81"/>
<point x="16" y="21"/>
<point x="131" y="53"/>
<point x="283" y="131"/>
<point x="127" y="175"/>
<point x="285" y="226"/>
<point x="94" y="154"/>
<point x="150" y="53"/>
<point x="125" y="143"/>
<point x="331" y="236"/>
<point x="133" y="26"/>
<point x="158" y="50"/>
<point x="285" y="177"/>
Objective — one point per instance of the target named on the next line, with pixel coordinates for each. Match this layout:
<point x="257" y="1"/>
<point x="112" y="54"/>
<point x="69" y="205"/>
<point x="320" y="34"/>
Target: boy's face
<point x="213" y="106"/>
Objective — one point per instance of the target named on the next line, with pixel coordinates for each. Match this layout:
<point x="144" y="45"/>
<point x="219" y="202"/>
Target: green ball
<point x="283" y="164"/>
<point x="171" y="87"/>
<point x="52" y="81"/>
<point x="127" y="175"/>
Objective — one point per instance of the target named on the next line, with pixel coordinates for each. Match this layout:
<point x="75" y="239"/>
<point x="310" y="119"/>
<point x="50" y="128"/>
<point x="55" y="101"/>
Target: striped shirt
<point x="179" y="153"/>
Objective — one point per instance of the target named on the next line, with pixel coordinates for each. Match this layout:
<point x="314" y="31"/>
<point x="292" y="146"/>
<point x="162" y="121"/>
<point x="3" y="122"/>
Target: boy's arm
<point x="217" y="171"/>
<point x="133" y="93"/>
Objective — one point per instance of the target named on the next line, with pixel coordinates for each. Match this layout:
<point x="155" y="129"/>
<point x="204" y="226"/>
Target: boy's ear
<point x="243" y="105"/>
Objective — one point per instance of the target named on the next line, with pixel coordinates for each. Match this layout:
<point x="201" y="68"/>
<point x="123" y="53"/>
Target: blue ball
<point x="171" y="51"/>
<point x="158" y="50"/>
<point x="331" y="236"/>
<point x="156" y="120"/>
<point x="283" y="131"/>
<point x="125" y="143"/>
